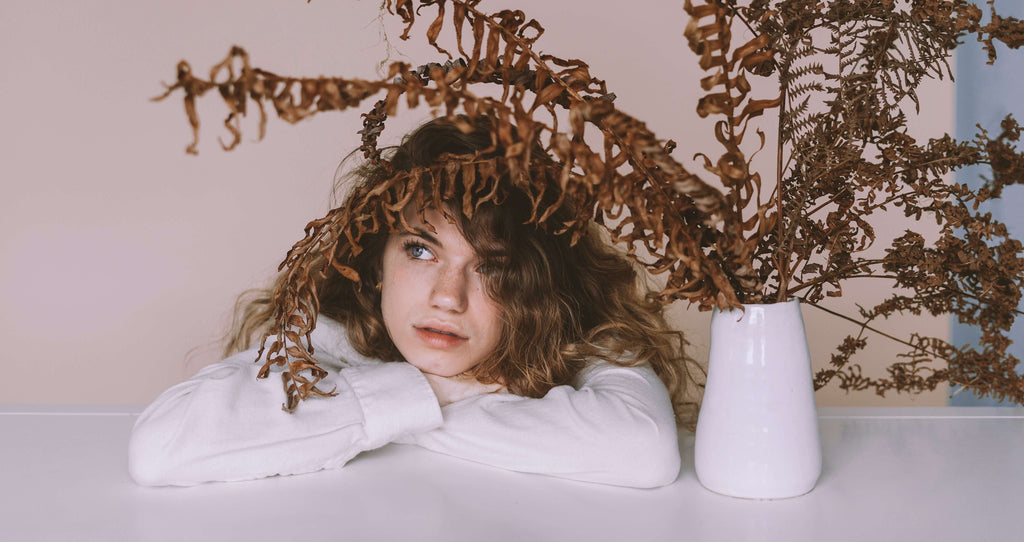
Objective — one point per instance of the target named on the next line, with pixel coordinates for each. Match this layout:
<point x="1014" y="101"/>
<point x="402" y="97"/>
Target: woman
<point x="486" y="337"/>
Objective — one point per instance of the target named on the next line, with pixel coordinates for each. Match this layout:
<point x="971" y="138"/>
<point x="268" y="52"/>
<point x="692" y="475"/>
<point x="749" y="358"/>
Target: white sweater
<point x="614" y="425"/>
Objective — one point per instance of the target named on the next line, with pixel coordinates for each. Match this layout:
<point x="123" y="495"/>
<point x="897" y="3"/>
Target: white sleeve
<point x="224" y="424"/>
<point x="615" y="427"/>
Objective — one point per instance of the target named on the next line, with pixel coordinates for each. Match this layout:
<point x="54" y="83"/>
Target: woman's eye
<point x="418" y="252"/>
<point x="487" y="269"/>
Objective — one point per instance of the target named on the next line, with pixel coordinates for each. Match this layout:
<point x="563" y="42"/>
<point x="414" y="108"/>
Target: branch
<point x="864" y="325"/>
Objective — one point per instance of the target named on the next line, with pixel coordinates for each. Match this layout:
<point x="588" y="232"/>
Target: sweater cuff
<point x="396" y="399"/>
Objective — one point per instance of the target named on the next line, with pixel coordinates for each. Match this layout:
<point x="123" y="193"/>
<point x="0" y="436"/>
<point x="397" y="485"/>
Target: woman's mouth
<point x="438" y="338"/>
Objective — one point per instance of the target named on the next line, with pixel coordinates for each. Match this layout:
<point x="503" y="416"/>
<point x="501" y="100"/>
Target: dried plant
<point x="845" y="71"/>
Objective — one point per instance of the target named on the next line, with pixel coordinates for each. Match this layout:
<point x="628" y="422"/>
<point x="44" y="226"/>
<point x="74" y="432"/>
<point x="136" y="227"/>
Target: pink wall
<point x="120" y="253"/>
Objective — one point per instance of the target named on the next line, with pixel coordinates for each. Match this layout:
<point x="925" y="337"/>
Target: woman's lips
<point x="438" y="338"/>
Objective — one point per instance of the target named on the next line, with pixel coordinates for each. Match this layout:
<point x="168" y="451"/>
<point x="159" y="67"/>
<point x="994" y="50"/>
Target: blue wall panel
<point x="985" y="95"/>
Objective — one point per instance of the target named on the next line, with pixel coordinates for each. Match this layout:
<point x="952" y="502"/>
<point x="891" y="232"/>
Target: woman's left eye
<point x="488" y="268"/>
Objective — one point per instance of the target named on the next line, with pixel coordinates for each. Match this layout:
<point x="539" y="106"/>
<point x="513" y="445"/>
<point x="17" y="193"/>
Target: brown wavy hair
<point x="566" y="299"/>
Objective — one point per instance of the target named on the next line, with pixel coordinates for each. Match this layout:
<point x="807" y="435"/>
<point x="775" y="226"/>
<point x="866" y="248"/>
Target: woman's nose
<point x="450" y="292"/>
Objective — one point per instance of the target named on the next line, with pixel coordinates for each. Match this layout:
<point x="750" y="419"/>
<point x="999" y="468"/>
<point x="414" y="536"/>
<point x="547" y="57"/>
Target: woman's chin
<point x="431" y="368"/>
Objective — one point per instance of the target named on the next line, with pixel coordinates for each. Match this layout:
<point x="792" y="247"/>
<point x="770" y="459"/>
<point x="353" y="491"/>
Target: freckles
<point x="399" y="271"/>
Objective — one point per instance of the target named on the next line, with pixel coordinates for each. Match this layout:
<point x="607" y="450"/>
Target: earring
<point x="377" y="287"/>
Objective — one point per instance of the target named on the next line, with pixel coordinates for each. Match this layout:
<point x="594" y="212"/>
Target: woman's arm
<point x="615" y="427"/>
<point x="224" y="424"/>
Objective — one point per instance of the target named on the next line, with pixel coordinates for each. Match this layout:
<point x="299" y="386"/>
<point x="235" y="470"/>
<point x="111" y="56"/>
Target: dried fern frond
<point x="847" y="74"/>
<point x="670" y="214"/>
<point x="854" y="158"/>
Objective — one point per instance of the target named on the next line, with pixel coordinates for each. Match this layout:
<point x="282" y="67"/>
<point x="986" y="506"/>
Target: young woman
<point x="487" y="337"/>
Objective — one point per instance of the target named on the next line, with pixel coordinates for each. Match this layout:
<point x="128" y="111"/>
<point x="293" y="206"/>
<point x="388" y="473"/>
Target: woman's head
<point x="459" y="278"/>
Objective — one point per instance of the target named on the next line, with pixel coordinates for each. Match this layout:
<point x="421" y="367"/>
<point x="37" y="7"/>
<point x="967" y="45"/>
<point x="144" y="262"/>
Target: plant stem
<point x="782" y="261"/>
<point x="864" y="325"/>
<point x="838" y="272"/>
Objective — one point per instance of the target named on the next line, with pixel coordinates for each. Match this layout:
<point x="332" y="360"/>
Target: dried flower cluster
<point x="720" y="243"/>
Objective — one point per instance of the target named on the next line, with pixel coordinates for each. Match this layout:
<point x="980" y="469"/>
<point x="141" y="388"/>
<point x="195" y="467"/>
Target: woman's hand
<point x="451" y="389"/>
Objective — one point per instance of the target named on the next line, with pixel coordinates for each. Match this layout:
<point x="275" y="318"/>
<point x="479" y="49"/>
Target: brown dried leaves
<point x="855" y="158"/>
<point x="709" y="34"/>
<point x="718" y="248"/>
<point x="293" y="99"/>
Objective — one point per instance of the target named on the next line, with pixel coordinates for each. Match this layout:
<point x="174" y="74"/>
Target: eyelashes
<point x="417" y="251"/>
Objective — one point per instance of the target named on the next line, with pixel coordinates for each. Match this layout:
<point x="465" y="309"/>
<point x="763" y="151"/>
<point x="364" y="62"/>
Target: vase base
<point x="755" y="496"/>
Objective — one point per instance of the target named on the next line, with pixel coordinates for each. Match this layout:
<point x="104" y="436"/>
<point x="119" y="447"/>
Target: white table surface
<point x="913" y="474"/>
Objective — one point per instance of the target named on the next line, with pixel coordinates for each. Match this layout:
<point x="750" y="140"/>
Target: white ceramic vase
<point x="757" y="433"/>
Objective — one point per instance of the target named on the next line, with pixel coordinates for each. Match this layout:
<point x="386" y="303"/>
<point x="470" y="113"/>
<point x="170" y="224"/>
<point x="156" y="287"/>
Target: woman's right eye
<point x="417" y="251"/>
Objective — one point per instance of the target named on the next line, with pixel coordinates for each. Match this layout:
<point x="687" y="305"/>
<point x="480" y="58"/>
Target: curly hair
<point x="567" y="298"/>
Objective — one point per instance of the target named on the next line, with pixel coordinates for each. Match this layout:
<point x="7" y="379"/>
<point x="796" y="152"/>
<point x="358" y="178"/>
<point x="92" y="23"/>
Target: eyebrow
<point x="423" y="234"/>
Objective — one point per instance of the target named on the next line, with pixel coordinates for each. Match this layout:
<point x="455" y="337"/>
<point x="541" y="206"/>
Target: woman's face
<point x="435" y="306"/>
